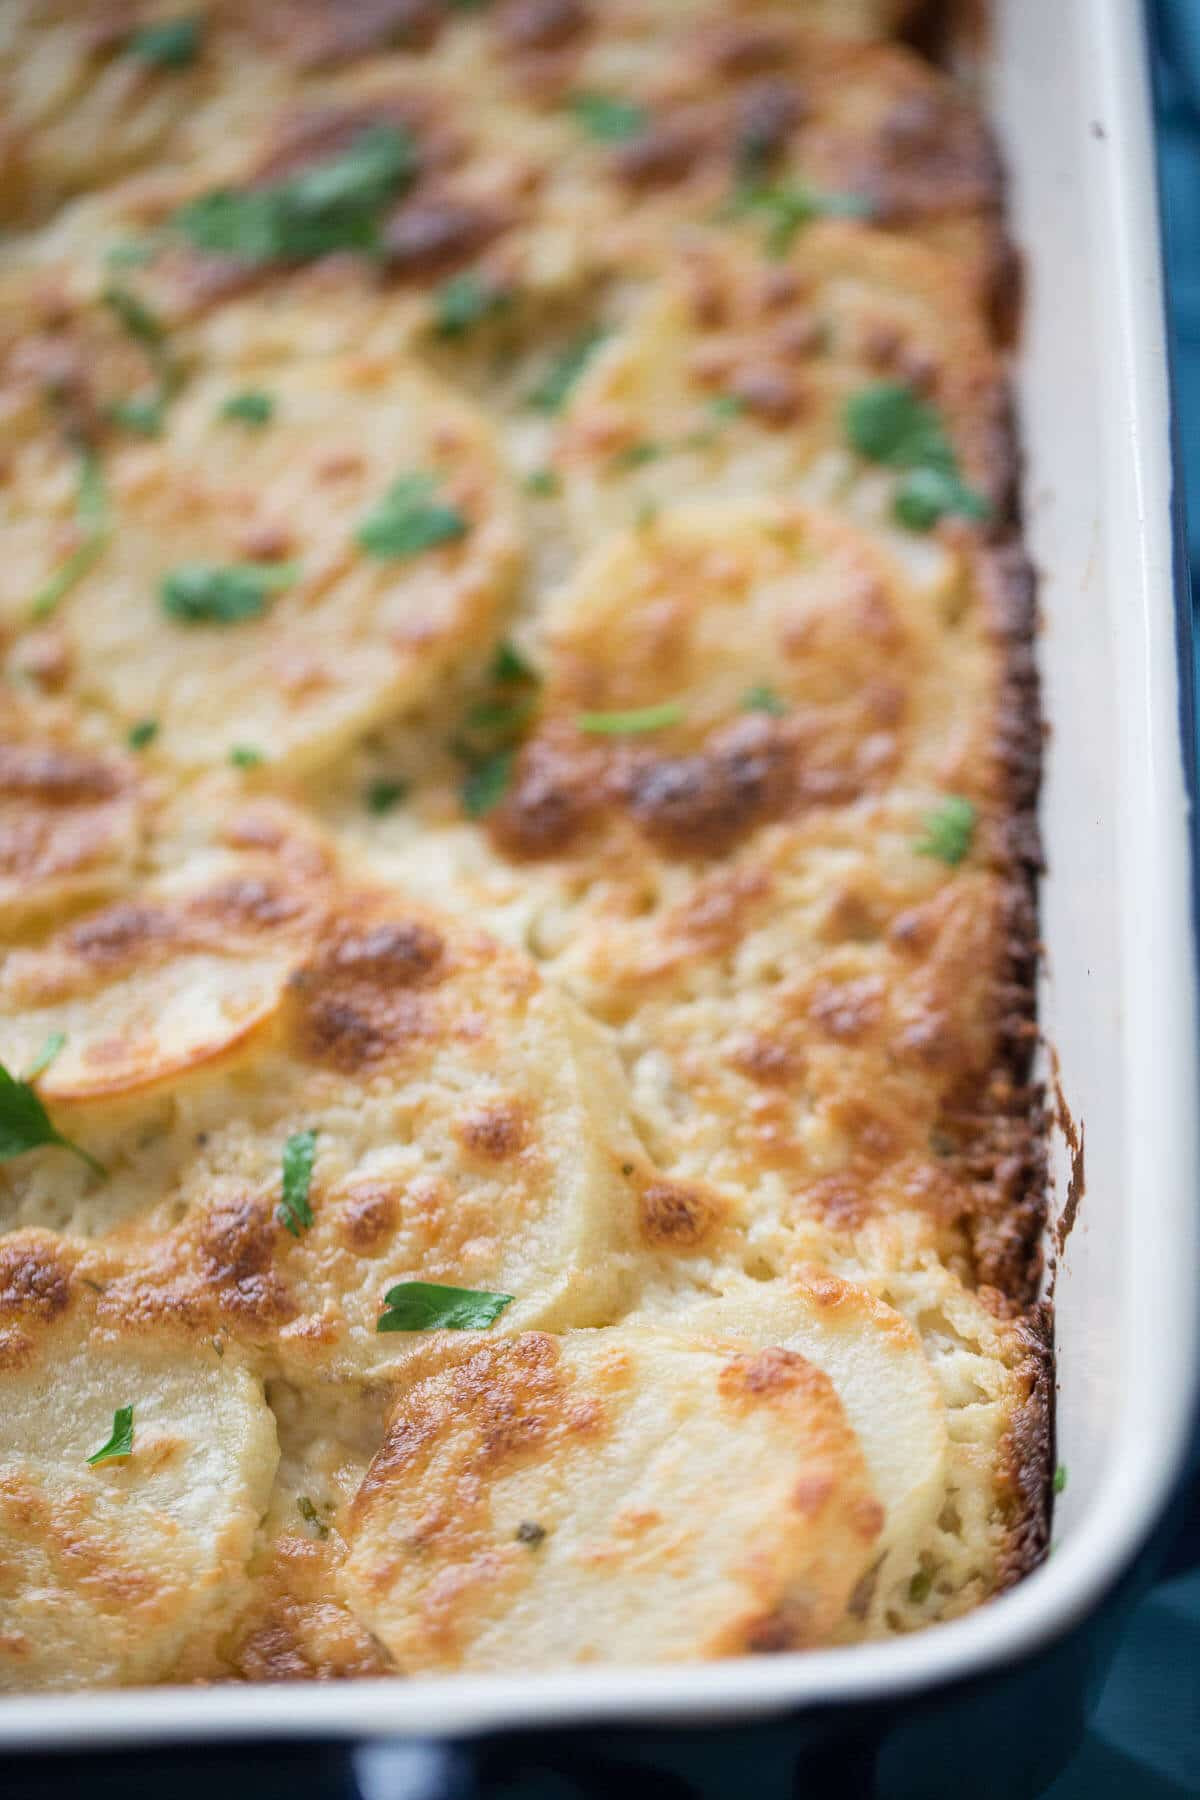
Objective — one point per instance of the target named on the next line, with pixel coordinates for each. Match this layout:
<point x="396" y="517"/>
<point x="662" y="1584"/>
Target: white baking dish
<point x="1069" y="97"/>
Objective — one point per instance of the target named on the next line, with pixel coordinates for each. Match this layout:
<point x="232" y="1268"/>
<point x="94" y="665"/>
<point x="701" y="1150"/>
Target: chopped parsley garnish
<point x="251" y="407"/>
<point x="135" y="316"/>
<point x="383" y="795"/>
<point x="335" y="205"/>
<point x="633" y="722"/>
<point x="144" y="414"/>
<point x="25" y="1123"/>
<point x="949" y="831"/>
<point x="223" y="593"/>
<point x="295" y="1213"/>
<point x="920" y="1587"/>
<point x="530" y="1532"/>
<point x="141" y="734"/>
<point x="91" y="511"/>
<point x="410" y="519"/>
<point x="763" y="699"/>
<point x="786" y="206"/>
<point x="245" y="756"/>
<point x="888" y="423"/>
<point x="121" y="1441"/>
<point x="1060" y="1478"/>
<point x="550" y="394"/>
<point x="311" y="1516"/>
<point x="426" y="1306"/>
<point x="635" y="456"/>
<point x="131" y="255"/>
<point x="543" y="482"/>
<point x="172" y="44"/>
<point x="726" y="406"/>
<point x="467" y="300"/>
<point x="486" y="783"/>
<point x="492" y="729"/>
<point x="499" y="720"/>
<point x="926" y="495"/>
<point x="607" y="118"/>
<point x="46" y="1055"/>
<point x="509" y="665"/>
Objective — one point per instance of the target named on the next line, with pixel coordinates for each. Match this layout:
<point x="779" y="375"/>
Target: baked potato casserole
<point x="518" y="755"/>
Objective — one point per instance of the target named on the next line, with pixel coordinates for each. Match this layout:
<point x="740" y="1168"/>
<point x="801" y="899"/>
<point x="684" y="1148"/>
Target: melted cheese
<point x="583" y="1499"/>
<point x="558" y="856"/>
<point x="108" y="1574"/>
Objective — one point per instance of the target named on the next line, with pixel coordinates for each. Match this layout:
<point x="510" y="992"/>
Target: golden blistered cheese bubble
<point x="72" y="816"/>
<point x="539" y="1501"/>
<point x="734" y="376"/>
<point x="469" y="1122"/>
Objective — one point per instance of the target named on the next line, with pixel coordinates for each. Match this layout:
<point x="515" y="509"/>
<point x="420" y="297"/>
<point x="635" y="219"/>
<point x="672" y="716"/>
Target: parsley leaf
<point x="144" y="413"/>
<point x="409" y="519"/>
<point x="607" y="118"/>
<point x="508" y="665"/>
<point x="25" y="1123"/>
<point x="889" y="424"/>
<point x="172" y="44"/>
<point x="763" y="699"/>
<point x="46" y="1055"/>
<point x="382" y="795"/>
<point x="251" y="407"/>
<point x="295" y="1214"/>
<point x="311" y="1516"/>
<point x="426" y="1306"/>
<point x="245" y="756"/>
<point x="223" y="594"/>
<point x="141" y="734"/>
<point x="121" y="1441"/>
<point x="499" y="721"/>
<point x="131" y="255"/>
<point x="134" y="316"/>
<point x="949" y="831"/>
<point x="543" y="482"/>
<point x="633" y="722"/>
<point x="920" y="1587"/>
<point x="550" y="394"/>
<point x="91" y="511"/>
<point x="1060" y="1478"/>
<point x="466" y="300"/>
<point x="926" y="495"/>
<point x="485" y="785"/>
<point x="635" y="456"/>
<point x="786" y="206"/>
<point x="335" y="205"/>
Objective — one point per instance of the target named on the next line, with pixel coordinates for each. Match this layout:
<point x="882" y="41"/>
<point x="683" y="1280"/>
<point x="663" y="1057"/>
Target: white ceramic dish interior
<point x="1069" y="98"/>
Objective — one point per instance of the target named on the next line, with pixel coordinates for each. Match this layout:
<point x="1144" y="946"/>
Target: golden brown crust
<point x="759" y="1074"/>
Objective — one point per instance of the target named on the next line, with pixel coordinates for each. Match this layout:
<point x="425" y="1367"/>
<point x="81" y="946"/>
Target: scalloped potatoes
<point x="516" y="842"/>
